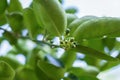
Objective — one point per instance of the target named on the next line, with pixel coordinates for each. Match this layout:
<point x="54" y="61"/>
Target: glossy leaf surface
<point x="68" y="58"/>
<point x="70" y="18"/>
<point x="3" y="6"/>
<point x="49" y="14"/>
<point x="15" y="21"/>
<point x="94" y="53"/>
<point x="2" y="19"/>
<point x="84" y="73"/>
<point x="77" y="22"/>
<point x="96" y="28"/>
<point x="12" y="62"/>
<point x="31" y="23"/>
<point x="25" y="73"/>
<point x="6" y="71"/>
<point x="14" y="6"/>
<point x="51" y="71"/>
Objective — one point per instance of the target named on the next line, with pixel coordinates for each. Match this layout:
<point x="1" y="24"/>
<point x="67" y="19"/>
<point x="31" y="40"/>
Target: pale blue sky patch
<point x="25" y="3"/>
<point x="5" y="47"/>
<point x="96" y="7"/>
<point x="21" y="58"/>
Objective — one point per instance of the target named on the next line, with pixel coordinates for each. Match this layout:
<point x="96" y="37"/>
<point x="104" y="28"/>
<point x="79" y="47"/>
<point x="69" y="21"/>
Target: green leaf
<point x="117" y="46"/>
<point x="71" y="10"/>
<point x="96" y="44"/>
<point x="75" y="24"/>
<point x="32" y="59"/>
<point x="109" y="65"/>
<point x="14" y="6"/>
<point x="37" y="11"/>
<point x="109" y="43"/>
<point x="15" y="21"/>
<point x="93" y="61"/>
<point x="50" y="14"/>
<point x="114" y="34"/>
<point x="70" y="18"/>
<point x="94" y="53"/>
<point x="88" y="78"/>
<point x="3" y="6"/>
<point x="11" y="61"/>
<point x="1" y="39"/>
<point x="10" y="37"/>
<point x="66" y="78"/>
<point x="6" y="71"/>
<point x="88" y="73"/>
<point x="72" y="77"/>
<point x="31" y="23"/>
<point x="85" y="77"/>
<point x="97" y="28"/>
<point x="2" y="19"/>
<point x="25" y="73"/>
<point x="68" y="58"/>
<point x="54" y="72"/>
<point x="41" y="74"/>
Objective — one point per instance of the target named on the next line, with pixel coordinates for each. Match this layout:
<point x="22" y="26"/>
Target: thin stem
<point x="3" y="29"/>
<point x="44" y="42"/>
<point x="36" y="41"/>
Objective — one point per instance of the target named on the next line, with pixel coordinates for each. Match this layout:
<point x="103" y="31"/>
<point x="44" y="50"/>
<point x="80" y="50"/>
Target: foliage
<point x="88" y="36"/>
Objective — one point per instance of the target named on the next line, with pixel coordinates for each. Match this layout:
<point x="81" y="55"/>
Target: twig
<point x="36" y="41"/>
<point x="44" y="42"/>
<point x="4" y="29"/>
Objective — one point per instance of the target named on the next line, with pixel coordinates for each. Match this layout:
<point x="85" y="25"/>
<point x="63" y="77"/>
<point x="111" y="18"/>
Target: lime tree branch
<point x="26" y="37"/>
